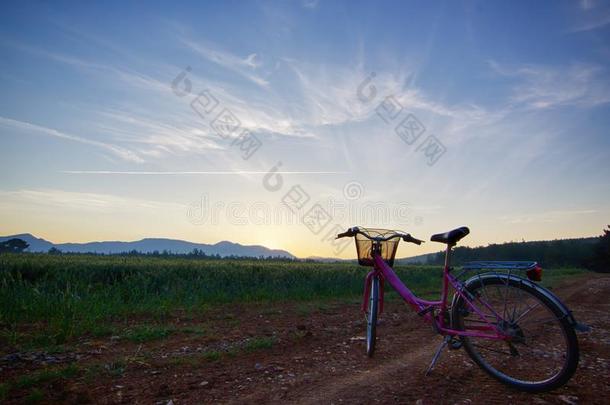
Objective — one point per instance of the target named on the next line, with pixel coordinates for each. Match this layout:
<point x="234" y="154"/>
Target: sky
<point x="282" y="123"/>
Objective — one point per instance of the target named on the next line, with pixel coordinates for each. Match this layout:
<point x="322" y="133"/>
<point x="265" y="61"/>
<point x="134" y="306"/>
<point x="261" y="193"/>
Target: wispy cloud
<point x="547" y="217"/>
<point x="311" y="4"/>
<point x="125" y="75"/>
<point x="592" y="23"/>
<point x="242" y="66"/>
<point x="172" y="134"/>
<point x="116" y="150"/>
<point x="71" y="200"/>
<point x="328" y="93"/>
<point x="175" y="131"/>
<point x="542" y="87"/>
<point x="187" y="173"/>
<point x="592" y="15"/>
<point x="328" y="97"/>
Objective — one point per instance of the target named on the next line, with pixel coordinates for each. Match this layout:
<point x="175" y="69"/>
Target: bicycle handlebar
<point x="350" y="232"/>
<point x="404" y="236"/>
<point x="409" y="238"/>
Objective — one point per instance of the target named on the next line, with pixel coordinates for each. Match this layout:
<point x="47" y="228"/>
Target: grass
<point x="47" y="375"/>
<point x="259" y="343"/>
<point x="51" y="300"/>
<point x="36" y="379"/>
<point x="193" y="330"/>
<point x="142" y="334"/>
<point x="5" y="388"/>
<point x="35" y="396"/>
<point x="252" y="345"/>
<point x="212" y="355"/>
<point x="551" y="277"/>
<point x="115" y="368"/>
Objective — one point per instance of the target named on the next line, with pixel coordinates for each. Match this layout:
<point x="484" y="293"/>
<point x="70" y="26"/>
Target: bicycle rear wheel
<point x="371" y="317"/>
<point x="542" y="353"/>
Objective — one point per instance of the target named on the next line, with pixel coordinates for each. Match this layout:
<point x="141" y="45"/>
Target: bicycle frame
<point x="427" y="308"/>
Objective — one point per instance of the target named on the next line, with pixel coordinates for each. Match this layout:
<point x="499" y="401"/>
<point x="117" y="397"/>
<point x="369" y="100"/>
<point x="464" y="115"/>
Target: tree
<point x="54" y="251"/>
<point x="600" y="261"/>
<point x="14" y="245"/>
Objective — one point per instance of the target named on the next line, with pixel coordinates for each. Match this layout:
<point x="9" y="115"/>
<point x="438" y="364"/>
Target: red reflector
<point x="535" y="274"/>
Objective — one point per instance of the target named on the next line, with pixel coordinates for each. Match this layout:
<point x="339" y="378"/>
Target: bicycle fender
<point x="579" y="327"/>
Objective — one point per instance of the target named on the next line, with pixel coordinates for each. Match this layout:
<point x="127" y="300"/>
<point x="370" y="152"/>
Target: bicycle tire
<point x="477" y="287"/>
<point x="371" y="319"/>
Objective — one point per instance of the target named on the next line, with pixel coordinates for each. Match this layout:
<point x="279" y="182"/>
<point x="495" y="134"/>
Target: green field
<point x="50" y="300"/>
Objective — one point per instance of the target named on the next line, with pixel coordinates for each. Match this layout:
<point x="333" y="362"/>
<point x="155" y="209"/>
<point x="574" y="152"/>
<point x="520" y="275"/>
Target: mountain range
<point x="150" y="245"/>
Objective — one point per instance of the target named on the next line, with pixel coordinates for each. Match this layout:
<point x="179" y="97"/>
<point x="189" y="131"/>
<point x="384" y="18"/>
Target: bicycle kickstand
<point x="443" y="344"/>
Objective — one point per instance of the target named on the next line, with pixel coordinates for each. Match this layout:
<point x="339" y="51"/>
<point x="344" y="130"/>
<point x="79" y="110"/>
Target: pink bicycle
<point x="514" y="329"/>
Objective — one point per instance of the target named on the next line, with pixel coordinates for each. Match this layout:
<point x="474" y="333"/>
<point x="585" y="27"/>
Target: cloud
<point x="70" y="200"/>
<point x="175" y="134"/>
<point x="328" y="97"/>
<point x="252" y="60"/>
<point x="118" y="151"/>
<point x="591" y="15"/>
<point x="311" y="4"/>
<point x="127" y="76"/>
<point x="544" y="87"/>
<point x="328" y="94"/>
<point x="176" y="130"/>
<point x="593" y="23"/>
<point x="190" y="173"/>
<point x="242" y="67"/>
<point x="546" y="217"/>
<point x="318" y="96"/>
<point x="587" y="4"/>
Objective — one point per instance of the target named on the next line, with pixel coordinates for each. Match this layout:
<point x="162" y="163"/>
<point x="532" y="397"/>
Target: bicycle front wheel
<point x="542" y="352"/>
<point x="371" y="317"/>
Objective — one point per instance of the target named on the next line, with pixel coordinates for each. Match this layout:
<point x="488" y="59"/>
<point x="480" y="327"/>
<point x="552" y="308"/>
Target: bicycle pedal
<point x="455" y="344"/>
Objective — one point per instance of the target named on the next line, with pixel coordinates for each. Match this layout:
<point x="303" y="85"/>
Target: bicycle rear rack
<point x="499" y="265"/>
<point x="505" y="267"/>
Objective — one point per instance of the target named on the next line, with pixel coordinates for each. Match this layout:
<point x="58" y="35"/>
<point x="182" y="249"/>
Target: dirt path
<point x="317" y="356"/>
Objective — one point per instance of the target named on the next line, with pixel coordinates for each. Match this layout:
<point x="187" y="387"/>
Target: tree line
<point x="592" y="253"/>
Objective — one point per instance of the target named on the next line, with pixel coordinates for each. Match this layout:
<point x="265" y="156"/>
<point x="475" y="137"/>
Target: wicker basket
<point x="364" y="246"/>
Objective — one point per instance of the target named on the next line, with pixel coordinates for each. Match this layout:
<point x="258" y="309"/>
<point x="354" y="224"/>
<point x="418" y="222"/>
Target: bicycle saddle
<point x="451" y="237"/>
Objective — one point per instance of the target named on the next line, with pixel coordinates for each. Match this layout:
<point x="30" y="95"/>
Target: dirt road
<point x="316" y="355"/>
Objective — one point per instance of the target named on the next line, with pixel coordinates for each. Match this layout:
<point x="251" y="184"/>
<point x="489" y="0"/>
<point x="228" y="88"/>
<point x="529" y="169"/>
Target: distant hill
<point x="150" y="245"/>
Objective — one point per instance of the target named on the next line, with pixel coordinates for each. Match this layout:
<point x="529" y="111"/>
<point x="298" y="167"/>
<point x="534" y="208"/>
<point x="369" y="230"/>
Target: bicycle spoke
<point x="506" y="291"/>
<point x="491" y="350"/>
<point x="482" y="321"/>
<point x="543" y="321"/>
<point x="526" y="311"/>
<point x="517" y="308"/>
